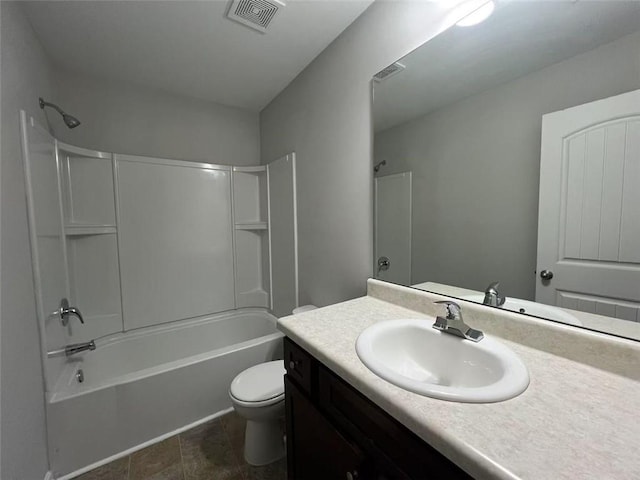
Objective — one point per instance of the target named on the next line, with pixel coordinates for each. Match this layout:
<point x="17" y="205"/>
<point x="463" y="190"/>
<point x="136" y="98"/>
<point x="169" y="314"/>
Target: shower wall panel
<point x="175" y="240"/>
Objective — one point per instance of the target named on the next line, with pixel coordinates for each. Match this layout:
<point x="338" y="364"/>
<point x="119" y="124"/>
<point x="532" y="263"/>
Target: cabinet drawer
<point x="400" y="450"/>
<point x="299" y="365"/>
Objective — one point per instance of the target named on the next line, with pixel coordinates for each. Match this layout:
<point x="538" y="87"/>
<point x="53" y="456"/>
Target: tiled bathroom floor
<point x="212" y="451"/>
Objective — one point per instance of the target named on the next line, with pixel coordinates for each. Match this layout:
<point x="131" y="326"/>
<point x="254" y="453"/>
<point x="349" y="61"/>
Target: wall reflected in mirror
<point x="509" y="152"/>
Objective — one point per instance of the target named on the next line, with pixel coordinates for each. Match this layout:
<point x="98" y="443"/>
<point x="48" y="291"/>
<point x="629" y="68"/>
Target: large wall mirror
<point x="509" y="151"/>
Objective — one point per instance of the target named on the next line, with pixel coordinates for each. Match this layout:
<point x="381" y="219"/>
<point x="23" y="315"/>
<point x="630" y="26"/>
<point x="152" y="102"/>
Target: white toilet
<point x="257" y="394"/>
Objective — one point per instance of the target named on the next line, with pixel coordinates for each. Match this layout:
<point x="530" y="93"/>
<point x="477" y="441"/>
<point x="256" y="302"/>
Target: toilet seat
<point x="260" y="385"/>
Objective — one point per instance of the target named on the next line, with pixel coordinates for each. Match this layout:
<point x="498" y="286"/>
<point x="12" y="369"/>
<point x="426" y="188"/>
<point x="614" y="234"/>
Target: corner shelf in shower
<point x="90" y="225"/>
<point x="251" y="236"/>
<point x="252" y="226"/>
<point x="253" y="298"/>
<point x="75" y="230"/>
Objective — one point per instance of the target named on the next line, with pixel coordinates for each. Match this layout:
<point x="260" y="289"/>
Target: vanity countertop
<point x="574" y="421"/>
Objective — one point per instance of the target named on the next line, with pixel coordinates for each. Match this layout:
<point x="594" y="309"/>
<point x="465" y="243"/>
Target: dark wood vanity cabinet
<point x="335" y="432"/>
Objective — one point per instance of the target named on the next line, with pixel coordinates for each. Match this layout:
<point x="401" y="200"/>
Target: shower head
<point x="376" y="169"/>
<point x="69" y="120"/>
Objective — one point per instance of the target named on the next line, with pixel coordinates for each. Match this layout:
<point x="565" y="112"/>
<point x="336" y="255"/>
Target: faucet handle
<point x="492" y="297"/>
<point x="454" y="312"/>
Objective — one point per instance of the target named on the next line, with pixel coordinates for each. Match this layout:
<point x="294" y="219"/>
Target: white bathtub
<point x="145" y="385"/>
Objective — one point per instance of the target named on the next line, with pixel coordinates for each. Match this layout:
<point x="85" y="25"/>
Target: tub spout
<point x="79" y="347"/>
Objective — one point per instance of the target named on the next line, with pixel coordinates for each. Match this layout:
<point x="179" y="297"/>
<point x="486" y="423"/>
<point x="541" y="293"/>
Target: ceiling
<point x="190" y="47"/>
<point x="521" y="37"/>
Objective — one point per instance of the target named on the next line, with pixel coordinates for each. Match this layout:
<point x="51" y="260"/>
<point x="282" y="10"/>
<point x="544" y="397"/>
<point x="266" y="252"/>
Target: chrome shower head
<point x="69" y="120"/>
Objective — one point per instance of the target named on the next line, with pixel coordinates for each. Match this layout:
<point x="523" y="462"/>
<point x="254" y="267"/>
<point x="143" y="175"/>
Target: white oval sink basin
<point x="413" y="355"/>
<point x="532" y="308"/>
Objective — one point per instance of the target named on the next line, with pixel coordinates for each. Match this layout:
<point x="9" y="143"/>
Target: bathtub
<point x="146" y="385"/>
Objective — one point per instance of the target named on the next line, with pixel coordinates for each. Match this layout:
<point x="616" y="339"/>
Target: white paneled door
<point x="589" y="208"/>
<point x="392" y="212"/>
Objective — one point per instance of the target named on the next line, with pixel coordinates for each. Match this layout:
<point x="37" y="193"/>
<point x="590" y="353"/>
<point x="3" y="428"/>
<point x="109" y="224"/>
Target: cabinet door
<point x="315" y="450"/>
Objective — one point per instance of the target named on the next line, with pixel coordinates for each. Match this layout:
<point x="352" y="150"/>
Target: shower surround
<point x="175" y="267"/>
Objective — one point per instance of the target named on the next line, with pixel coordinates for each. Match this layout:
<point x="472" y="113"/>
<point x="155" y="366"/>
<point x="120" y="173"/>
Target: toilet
<point x="257" y="394"/>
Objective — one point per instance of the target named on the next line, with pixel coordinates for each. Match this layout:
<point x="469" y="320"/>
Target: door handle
<point x="66" y="311"/>
<point x="546" y="274"/>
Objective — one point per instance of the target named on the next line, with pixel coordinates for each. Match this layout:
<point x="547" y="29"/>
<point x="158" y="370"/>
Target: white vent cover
<point x="389" y="71"/>
<point x="256" y="14"/>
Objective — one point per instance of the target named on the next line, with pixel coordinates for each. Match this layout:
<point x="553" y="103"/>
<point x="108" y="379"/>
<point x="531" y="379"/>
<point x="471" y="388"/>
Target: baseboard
<point x="131" y="450"/>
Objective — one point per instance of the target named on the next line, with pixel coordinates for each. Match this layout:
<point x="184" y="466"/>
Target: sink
<point x="532" y="308"/>
<point x="413" y="355"/>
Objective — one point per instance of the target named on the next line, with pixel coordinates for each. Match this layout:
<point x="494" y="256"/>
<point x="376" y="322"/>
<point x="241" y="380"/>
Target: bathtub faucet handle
<point x="66" y="311"/>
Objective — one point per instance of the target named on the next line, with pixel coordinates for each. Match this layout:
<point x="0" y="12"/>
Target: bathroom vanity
<point x="577" y="419"/>
<point x="333" y="431"/>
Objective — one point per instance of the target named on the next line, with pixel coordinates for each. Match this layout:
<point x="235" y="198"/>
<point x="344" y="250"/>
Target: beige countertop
<point x="574" y="421"/>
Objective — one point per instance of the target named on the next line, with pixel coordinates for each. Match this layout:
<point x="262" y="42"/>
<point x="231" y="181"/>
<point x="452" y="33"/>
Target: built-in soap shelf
<point x="252" y="226"/>
<point x="90" y="228"/>
<point x="72" y="230"/>
<point x="250" y="218"/>
<point x="252" y="298"/>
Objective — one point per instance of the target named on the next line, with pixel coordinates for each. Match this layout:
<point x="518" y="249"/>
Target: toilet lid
<point x="259" y="383"/>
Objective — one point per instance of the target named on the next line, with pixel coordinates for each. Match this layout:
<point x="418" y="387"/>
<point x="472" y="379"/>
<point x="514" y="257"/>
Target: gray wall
<point x="476" y="169"/>
<point x="124" y="118"/>
<point x="324" y="115"/>
<point x="25" y="76"/>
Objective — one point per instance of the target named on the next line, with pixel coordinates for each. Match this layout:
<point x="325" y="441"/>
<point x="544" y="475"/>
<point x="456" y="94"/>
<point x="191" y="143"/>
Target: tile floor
<point x="212" y="451"/>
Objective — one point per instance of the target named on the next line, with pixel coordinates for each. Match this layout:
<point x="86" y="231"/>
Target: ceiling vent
<point x="256" y="14"/>
<point x="389" y="71"/>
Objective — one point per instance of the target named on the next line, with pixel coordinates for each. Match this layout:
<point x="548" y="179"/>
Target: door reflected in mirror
<point x="510" y="151"/>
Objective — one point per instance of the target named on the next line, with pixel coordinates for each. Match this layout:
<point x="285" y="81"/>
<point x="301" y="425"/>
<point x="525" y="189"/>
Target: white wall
<point x="476" y="169"/>
<point x="25" y="76"/>
<point x="324" y="115"/>
<point x="125" y="118"/>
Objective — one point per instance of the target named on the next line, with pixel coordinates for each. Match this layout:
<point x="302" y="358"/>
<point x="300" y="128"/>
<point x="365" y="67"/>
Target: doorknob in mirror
<point x="546" y="274"/>
<point x="66" y="311"/>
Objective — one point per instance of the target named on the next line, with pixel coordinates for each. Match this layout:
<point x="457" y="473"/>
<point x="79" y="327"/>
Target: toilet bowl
<point x="257" y="394"/>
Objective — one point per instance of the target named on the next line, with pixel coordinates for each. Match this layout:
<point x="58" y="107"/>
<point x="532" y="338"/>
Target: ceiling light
<point x="479" y="15"/>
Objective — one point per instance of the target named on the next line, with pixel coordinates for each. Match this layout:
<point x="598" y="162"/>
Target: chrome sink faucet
<point x="453" y="323"/>
<point x="79" y="348"/>
<point x="492" y="297"/>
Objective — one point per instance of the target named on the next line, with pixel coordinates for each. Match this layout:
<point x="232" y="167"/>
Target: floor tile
<point x="159" y="461"/>
<point x="234" y="424"/>
<point x="273" y="471"/>
<point x="116" y="470"/>
<point x="207" y="453"/>
<point x="173" y="472"/>
<point x="235" y="427"/>
<point x="212" y="451"/>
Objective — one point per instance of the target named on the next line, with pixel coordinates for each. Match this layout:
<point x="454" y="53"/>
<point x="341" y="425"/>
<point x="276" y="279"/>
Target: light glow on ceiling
<point x="479" y="15"/>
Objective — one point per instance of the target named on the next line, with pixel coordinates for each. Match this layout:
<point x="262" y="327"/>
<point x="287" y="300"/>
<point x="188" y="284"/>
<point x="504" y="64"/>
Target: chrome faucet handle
<point x="454" y="324"/>
<point x="65" y="311"/>
<point x="492" y="297"/>
<point x="454" y="312"/>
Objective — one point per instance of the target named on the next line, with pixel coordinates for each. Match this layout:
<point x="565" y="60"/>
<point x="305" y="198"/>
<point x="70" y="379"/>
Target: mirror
<point x="509" y="152"/>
